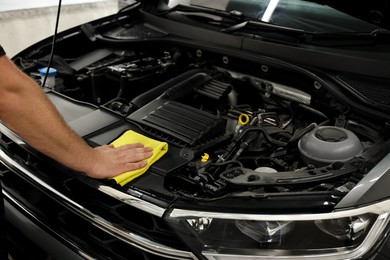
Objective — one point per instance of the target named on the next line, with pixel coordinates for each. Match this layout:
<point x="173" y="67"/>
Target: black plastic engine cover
<point x="180" y="124"/>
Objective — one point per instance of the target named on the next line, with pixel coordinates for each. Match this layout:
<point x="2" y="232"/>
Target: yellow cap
<point x="243" y="119"/>
<point x="205" y="157"/>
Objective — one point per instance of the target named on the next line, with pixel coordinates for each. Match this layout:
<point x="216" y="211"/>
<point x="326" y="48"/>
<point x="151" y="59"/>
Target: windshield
<point x="313" y="16"/>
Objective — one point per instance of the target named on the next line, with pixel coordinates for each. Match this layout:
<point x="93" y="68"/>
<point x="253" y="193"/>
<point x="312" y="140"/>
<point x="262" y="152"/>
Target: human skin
<point x="27" y="111"/>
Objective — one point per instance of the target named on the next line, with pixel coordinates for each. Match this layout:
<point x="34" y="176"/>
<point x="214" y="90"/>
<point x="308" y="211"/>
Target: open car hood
<point x="261" y="135"/>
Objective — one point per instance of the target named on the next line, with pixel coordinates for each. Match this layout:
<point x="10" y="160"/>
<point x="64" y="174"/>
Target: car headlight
<point x="337" y="235"/>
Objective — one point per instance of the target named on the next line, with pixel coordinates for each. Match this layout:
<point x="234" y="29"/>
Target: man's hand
<point x="110" y="161"/>
<point x="47" y="131"/>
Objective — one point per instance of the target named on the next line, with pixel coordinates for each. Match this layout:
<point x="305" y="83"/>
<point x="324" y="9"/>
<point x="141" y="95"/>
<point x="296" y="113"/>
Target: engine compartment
<point x="253" y="128"/>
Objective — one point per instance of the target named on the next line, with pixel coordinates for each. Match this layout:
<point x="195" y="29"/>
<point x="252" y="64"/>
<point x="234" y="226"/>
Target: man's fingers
<point x="136" y="157"/>
<point x="114" y="161"/>
<point x="130" y="146"/>
<point x="135" y="166"/>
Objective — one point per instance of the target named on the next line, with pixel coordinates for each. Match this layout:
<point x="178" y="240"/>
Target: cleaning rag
<point x="129" y="137"/>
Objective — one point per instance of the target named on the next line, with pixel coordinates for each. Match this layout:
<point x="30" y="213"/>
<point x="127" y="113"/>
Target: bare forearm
<point x="27" y="111"/>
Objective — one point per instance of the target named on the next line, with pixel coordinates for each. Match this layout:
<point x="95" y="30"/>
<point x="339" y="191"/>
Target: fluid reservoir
<point x="51" y="76"/>
<point x="328" y="144"/>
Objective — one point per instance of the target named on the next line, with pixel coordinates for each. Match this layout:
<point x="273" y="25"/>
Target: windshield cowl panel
<point x="309" y="16"/>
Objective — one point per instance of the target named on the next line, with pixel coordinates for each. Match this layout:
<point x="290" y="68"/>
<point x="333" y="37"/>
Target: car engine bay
<point x="248" y="128"/>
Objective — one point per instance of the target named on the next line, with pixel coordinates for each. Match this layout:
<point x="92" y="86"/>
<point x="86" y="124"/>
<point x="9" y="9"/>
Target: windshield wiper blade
<point x="349" y="38"/>
<point x="262" y="26"/>
<point x="318" y="38"/>
<point x="236" y="15"/>
<point x="380" y="32"/>
<point x="267" y="31"/>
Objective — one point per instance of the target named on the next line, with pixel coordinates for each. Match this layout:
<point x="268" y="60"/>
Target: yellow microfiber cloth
<point x="129" y="137"/>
